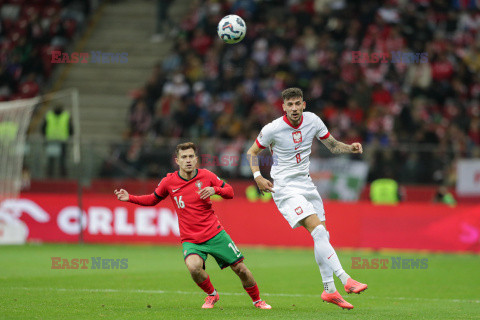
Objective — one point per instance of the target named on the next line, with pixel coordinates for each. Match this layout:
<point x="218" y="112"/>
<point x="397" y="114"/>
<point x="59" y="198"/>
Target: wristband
<point x="256" y="174"/>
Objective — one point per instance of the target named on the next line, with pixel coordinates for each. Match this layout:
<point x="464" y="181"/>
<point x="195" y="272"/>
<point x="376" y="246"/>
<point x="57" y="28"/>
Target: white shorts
<point x="298" y="200"/>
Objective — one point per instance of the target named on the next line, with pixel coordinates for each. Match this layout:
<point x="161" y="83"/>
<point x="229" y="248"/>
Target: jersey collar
<point x="290" y="124"/>
<point x="178" y="173"/>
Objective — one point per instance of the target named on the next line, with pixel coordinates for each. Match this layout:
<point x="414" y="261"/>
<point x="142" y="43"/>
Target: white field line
<point x="364" y="296"/>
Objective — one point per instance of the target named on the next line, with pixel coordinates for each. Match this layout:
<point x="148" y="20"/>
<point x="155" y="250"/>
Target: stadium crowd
<point x="29" y="32"/>
<point x="415" y="118"/>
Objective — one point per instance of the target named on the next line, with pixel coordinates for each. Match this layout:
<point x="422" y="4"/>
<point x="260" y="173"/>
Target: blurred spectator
<point x="201" y="42"/>
<point x="57" y="128"/>
<point x="162" y="18"/>
<point x="444" y="196"/>
<point x="385" y="191"/>
<point x="29" y="88"/>
<point x="8" y="132"/>
<point x="140" y="118"/>
<point x="177" y="87"/>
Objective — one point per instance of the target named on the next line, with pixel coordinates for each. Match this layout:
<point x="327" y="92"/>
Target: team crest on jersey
<point x="199" y="184"/>
<point x="297" y="136"/>
<point x="298" y="210"/>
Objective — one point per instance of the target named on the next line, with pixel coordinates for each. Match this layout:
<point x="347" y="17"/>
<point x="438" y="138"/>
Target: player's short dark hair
<point x="186" y="146"/>
<point x="292" y="93"/>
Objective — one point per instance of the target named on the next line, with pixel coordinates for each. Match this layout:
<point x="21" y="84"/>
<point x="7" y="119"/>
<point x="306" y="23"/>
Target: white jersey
<point x="291" y="146"/>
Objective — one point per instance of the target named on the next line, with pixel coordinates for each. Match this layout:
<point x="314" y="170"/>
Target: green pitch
<point x="156" y="285"/>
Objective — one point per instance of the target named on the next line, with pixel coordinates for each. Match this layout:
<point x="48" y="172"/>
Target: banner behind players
<point x="55" y="218"/>
<point x="468" y="177"/>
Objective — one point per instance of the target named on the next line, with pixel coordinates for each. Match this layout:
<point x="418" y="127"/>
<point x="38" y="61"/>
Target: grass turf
<point x="156" y="285"/>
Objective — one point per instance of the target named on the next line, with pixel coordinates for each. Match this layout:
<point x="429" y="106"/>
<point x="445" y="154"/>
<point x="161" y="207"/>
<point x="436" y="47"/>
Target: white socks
<point x="327" y="259"/>
<point x="325" y="270"/>
<point x="329" y="286"/>
<point x="344" y="277"/>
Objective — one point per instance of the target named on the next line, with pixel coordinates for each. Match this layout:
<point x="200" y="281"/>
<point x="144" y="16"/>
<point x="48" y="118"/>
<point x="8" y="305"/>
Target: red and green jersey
<point x="196" y="218"/>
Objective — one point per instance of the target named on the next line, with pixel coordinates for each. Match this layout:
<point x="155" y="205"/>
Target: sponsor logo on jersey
<point x="297" y="136"/>
<point x="298" y="210"/>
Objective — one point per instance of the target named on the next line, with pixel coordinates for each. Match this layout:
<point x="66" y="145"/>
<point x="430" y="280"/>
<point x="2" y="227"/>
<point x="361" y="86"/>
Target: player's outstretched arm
<point x="146" y="200"/>
<point x="263" y="184"/>
<point x="121" y="194"/>
<point x="339" y="147"/>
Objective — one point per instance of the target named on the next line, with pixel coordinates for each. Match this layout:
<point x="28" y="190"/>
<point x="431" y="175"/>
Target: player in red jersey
<point x="200" y="231"/>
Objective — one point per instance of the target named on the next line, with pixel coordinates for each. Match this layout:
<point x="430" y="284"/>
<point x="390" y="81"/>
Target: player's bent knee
<point x="311" y="222"/>
<point x="240" y="269"/>
<point x="195" y="269"/>
<point x="194" y="264"/>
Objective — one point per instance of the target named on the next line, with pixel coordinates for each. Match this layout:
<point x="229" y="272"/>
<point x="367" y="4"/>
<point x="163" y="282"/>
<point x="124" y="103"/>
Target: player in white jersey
<point x="290" y="141"/>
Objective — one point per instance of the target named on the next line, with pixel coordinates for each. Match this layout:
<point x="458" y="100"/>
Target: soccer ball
<point x="232" y="29"/>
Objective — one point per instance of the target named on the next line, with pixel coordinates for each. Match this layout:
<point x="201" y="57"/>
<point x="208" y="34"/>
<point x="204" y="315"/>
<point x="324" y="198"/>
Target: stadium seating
<point x="32" y="29"/>
<point x="230" y="91"/>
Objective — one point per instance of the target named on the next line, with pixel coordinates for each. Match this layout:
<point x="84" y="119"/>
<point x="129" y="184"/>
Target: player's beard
<point x="295" y="118"/>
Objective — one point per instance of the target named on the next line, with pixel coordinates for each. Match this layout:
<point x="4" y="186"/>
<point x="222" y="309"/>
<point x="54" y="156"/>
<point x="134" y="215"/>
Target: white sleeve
<point x="321" y="129"/>
<point x="265" y="137"/>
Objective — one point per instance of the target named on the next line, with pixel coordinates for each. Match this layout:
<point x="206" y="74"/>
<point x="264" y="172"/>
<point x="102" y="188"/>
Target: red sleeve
<point x="259" y="145"/>
<point x="325" y="136"/>
<point x="221" y="188"/>
<point x="215" y="180"/>
<point x="146" y="200"/>
<point x="226" y="192"/>
<point x="158" y="195"/>
<point x="161" y="191"/>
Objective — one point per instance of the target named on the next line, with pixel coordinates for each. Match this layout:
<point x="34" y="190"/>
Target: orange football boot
<point x="210" y="301"/>
<point x="353" y="286"/>
<point x="262" y="305"/>
<point x="337" y="299"/>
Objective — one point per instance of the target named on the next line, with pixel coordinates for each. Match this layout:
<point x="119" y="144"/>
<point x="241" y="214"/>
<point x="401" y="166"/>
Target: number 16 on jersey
<point x="179" y="202"/>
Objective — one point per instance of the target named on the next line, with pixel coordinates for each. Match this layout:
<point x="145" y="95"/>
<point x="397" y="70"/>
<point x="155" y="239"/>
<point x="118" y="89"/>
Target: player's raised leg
<point x="328" y="263"/>
<point x="249" y="284"/>
<point x="195" y="264"/>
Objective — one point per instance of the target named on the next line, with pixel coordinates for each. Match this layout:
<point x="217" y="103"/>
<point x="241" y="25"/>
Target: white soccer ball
<point x="232" y="29"/>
